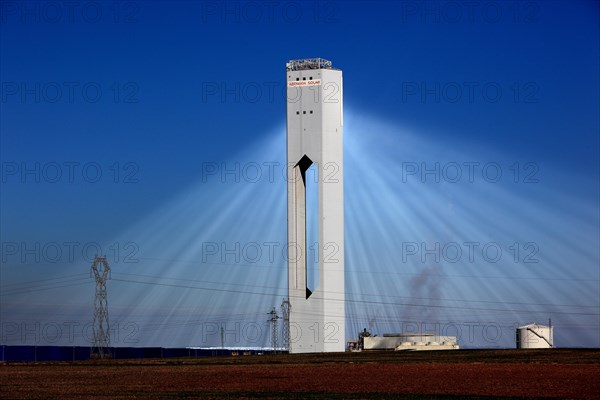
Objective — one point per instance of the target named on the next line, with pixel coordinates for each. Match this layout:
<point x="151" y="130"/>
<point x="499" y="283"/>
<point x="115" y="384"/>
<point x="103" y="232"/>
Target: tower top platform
<point x="308" y="63"/>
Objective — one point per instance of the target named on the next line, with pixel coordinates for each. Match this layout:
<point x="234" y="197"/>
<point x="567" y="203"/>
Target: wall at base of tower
<point x="315" y="135"/>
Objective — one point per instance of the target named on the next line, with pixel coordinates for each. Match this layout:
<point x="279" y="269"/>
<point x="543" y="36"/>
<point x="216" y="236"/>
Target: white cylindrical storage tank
<point x="534" y="336"/>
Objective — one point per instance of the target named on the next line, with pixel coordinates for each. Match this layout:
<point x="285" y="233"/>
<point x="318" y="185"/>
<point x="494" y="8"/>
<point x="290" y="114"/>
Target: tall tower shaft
<point x="315" y="137"/>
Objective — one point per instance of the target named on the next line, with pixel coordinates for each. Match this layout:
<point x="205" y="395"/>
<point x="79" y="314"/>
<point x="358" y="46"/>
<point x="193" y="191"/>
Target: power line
<point x="352" y="301"/>
<point x="366" y="294"/>
<point x="21" y="291"/>
<point x="43" y="280"/>
<point x="82" y="281"/>
<point x="372" y="272"/>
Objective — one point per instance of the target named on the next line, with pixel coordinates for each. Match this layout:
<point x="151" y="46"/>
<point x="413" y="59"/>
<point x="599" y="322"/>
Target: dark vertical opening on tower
<point x="310" y="178"/>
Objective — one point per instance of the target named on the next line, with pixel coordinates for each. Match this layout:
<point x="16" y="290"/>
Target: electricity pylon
<point x="274" y="328"/>
<point x="101" y="346"/>
<point x="286" y="307"/>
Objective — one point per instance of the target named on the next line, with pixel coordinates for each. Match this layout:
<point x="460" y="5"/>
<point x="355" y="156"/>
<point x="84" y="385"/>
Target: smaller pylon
<point x="274" y="328"/>
<point x="101" y="328"/>
<point x="286" y="308"/>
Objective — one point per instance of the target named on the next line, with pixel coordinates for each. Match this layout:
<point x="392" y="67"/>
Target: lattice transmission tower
<point x="101" y="346"/>
<point x="286" y="308"/>
<point x="274" y="328"/>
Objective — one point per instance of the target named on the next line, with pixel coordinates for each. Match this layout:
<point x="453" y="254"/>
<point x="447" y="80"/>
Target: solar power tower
<point x="314" y="139"/>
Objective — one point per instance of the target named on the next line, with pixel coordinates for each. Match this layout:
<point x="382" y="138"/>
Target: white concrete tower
<point x="314" y="137"/>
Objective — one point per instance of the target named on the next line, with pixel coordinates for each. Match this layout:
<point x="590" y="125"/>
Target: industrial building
<point x="410" y="341"/>
<point x="535" y="336"/>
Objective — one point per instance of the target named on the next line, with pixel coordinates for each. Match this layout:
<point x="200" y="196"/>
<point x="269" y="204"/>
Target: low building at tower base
<point x="410" y="341"/>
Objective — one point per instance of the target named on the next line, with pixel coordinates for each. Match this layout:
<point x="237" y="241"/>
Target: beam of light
<point x="383" y="211"/>
<point x="180" y="292"/>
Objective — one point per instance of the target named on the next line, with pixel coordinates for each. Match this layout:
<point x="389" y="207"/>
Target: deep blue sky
<point x="178" y="85"/>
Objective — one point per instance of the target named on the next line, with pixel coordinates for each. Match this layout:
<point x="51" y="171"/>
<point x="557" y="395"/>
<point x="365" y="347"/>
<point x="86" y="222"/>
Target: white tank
<point x="534" y="336"/>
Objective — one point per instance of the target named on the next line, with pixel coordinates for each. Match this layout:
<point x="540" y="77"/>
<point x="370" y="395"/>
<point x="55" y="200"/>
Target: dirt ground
<point x="459" y="374"/>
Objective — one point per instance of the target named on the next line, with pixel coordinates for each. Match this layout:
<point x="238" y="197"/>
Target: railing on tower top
<point x="308" y="63"/>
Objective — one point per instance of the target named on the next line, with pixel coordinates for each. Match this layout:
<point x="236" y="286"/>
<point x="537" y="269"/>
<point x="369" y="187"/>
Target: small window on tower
<point x="310" y="78"/>
<point x="304" y="78"/>
<point x="297" y="112"/>
<point x="311" y="111"/>
<point x="297" y="79"/>
<point x="303" y="112"/>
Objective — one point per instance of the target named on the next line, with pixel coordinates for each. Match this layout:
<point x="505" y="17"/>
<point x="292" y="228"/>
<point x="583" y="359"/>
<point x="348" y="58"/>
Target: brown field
<point x="460" y="374"/>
